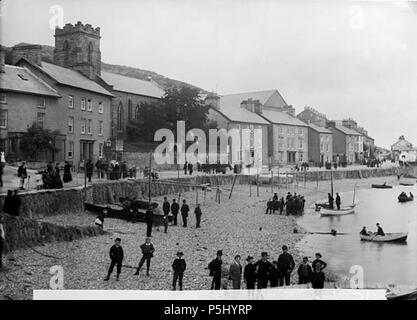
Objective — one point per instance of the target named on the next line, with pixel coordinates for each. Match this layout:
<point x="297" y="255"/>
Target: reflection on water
<point x="383" y="263"/>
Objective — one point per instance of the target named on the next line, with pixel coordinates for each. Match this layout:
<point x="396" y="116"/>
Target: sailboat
<point x="327" y="212"/>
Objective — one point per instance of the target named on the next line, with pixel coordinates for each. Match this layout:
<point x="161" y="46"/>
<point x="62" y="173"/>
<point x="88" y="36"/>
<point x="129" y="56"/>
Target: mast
<point x="150" y="176"/>
<point x="331" y="181"/>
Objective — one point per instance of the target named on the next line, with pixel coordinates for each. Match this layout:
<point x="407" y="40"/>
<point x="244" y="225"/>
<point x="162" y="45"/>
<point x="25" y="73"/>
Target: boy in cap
<point x="179" y="267"/>
<point x="249" y="273"/>
<point x="304" y="272"/>
<point x="147" y="254"/>
<point x="215" y="267"/>
<point x="116" y="256"/>
<point x="175" y="208"/>
<point x="198" y="214"/>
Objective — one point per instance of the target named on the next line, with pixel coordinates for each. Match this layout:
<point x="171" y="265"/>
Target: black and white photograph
<point x="208" y="150"/>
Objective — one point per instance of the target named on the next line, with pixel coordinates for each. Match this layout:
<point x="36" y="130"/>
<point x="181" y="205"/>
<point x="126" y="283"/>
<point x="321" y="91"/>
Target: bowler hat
<point x="249" y="258"/>
<point x="219" y="252"/>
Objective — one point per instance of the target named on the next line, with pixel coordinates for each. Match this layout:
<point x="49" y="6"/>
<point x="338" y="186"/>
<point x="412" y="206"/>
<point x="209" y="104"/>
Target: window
<point x="129" y="110"/>
<point x="83" y="123"/>
<point x="301" y="156"/>
<point x="83" y="104"/>
<point x="100" y="107"/>
<point x="41" y="103"/>
<point x="120" y="117"/>
<point x="100" y="150"/>
<point x="100" y="128"/>
<point x="89" y="105"/>
<point x="300" y="130"/>
<point x="70" y="149"/>
<point x="3" y="118"/>
<point x="89" y="126"/>
<point x="40" y="118"/>
<point x="70" y="101"/>
<point x="70" y="124"/>
<point x="3" y="97"/>
<point x="137" y="110"/>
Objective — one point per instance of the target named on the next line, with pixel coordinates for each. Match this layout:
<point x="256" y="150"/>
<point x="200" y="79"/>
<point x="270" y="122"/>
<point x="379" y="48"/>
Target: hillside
<point x="165" y="82"/>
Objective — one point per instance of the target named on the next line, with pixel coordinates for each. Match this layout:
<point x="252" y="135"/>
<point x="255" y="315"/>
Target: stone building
<point x="400" y="146"/>
<point x="320" y="145"/>
<point x="346" y="144"/>
<point x="25" y="99"/>
<point x="312" y="116"/>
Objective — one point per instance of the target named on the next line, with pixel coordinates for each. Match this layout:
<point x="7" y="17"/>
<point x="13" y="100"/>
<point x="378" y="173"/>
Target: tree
<point x="38" y="140"/>
<point x="178" y="104"/>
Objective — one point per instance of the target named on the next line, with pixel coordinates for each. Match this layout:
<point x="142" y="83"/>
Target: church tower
<point x="78" y="47"/>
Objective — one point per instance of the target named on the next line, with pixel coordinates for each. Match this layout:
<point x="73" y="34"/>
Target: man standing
<point x="149" y="221"/>
<point x="235" y="272"/>
<point x="331" y="200"/>
<point x="338" y="201"/>
<point x="250" y="273"/>
<point x="198" y="214"/>
<point x="89" y="167"/>
<point x="116" y="257"/>
<point x="304" y="272"/>
<point x="22" y="175"/>
<point x="215" y="268"/>
<point x="2" y="241"/>
<point x="147" y="253"/>
<point x="179" y="267"/>
<point x="190" y="168"/>
<point x="264" y="268"/>
<point x="185" y="167"/>
<point x="285" y="265"/>
<point x="184" y="212"/>
<point x="166" y="206"/>
<point x="175" y="208"/>
<point x="318" y="262"/>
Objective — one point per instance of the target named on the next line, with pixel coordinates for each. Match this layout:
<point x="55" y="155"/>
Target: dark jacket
<point x="275" y="275"/>
<point x="285" y="262"/>
<point x="175" y="207"/>
<point x="250" y="272"/>
<point x="215" y="267"/>
<point x="317" y="280"/>
<point x="197" y="211"/>
<point x="264" y="268"/>
<point x="179" y="265"/>
<point x="184" y="210"/>
<point x="147" y="250"/>
<point x="318" y="261"/>
<point x="304" y="270"/>
<point x="116" y="253"/>
<point x="166" y="207"/>
<point x="149" y="216"/>
<point x="22" y="172"/>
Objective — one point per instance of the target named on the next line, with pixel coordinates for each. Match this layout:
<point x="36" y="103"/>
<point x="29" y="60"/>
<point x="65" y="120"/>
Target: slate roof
<point x="279" y="117"/>
<point x="319" y="129"/>
<point x="13" y="79"/>
<point x="347" y="131"/>
<point x="72" y="78"/>
<point x="132" y="85"/>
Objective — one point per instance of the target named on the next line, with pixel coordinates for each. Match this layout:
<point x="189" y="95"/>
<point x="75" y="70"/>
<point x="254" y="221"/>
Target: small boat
<point x="381" y="186"/>
<point x="388" y="237"/>
<point x="404" y="198"/>
<point x="407" y="184"/>
<point x="401" y="295"/>
<point x="335" y="212"/>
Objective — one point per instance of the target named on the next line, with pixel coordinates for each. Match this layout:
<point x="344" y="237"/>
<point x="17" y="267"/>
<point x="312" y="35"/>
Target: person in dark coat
<point x="249" y="274"/>
<point x="304" y="272"/>
<point x="285" y="265"/>
<point x="149" y="221"/>
<point x="379" y="231"/>
<point x="166" y="206"/>
<point x="317" y="278"/>
<point x="235" y="272"/>
<point x="147" y="254"/>
<point x="275" y="274"/>
<point x="318" y="262"/>
<point x="8" y="202"/>
<point x="89" y="167"/>
<point x="215" y="268"/>
<point x="338" y="201"/>
<point x="198" y="214"/>
<point x="179" y="267"/>
<point x="175" y="208"/>
<point x="22" y="175"/>
<point x="67" y="173"/>
<point x="184" y="212"/>
<point x="116" y="257"/>
<point x="331" y="201"/>
<point x="190" y="168"/>
<point x="269" y="207"/>
<point x="281" y="205"/>
<point x="57" y="170"/>
<point x="185" y="167"/>
<point x="263" y="268"/>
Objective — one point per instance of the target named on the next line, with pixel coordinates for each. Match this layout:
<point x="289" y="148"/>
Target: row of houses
<point x="91" y="109"/>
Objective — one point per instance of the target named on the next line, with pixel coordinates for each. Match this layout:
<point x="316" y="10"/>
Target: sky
<point x="352" y="59"/>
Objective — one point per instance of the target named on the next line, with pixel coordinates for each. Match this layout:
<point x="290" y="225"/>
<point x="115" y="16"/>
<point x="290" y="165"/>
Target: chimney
<point x="248" y="105"/>
<point x="31" y="52"/>
<point x="213" y="100"/>
<point x="2" y="58"/>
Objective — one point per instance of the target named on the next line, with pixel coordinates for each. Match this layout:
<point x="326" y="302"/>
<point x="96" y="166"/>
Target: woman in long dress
<point x="67" y="173"/>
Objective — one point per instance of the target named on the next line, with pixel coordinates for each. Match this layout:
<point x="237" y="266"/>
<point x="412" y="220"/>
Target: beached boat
<point x="405" y="198"/>
<point x="408" y="295"/>
<point x="406" y="184"/>
<point x="381" y="186"/>
<point x="388" y="237"/>
<point x="341" y="212"/>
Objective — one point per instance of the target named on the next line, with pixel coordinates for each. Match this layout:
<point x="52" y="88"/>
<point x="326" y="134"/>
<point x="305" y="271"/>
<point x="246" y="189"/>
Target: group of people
<point x="293" y="204"/>
<point x="379" y="231"/>
<point x="332" y="201"/>
<point x="188" y="167"/>
<point x="255" y="274"/>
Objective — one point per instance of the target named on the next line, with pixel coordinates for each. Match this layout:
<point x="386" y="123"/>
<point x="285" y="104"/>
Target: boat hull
<point x="381" y="186"/>
<point x="389" y="237"/>
<point x="341" y="212"/>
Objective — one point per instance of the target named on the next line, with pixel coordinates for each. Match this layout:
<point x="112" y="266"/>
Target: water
<point x="383" y="263"/>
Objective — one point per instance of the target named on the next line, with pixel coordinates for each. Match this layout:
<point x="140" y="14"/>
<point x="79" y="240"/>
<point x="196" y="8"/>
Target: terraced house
<point x="347" y="144"/>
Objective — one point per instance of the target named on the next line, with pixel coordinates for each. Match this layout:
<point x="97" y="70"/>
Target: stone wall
<point x="23" y="232"/>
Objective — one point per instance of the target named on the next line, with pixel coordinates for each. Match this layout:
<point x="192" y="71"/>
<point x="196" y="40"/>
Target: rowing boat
<point x="381" y="186"/>
<point x="335" y="212"/>
<point x="407" y="184"/>
<point x="388" y="237"/>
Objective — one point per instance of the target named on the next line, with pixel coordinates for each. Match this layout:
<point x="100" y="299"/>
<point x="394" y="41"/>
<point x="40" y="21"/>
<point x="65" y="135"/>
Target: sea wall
<point x="23" y="232"/>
